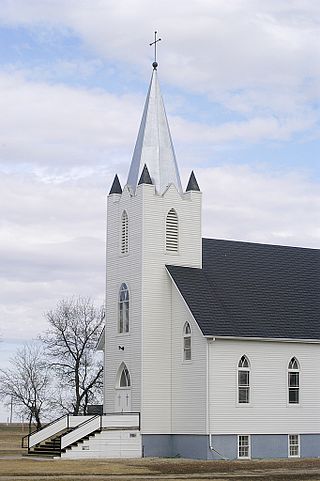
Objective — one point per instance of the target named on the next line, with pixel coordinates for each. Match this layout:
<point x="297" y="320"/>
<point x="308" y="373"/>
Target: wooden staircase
<point x="50" y="448"/>
<point x="80" y="441"/>
<point x="65" y="436"/>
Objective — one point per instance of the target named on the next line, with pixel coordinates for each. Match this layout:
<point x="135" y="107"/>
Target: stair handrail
<point x="48" y="431"/>
<point x="84" y="429"/>
<point x="27" y="436"/>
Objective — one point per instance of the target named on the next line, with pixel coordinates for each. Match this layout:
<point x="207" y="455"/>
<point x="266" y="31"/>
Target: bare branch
<point x="70" y="341"/>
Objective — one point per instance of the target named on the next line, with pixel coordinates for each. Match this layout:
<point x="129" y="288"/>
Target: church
<point x="214" y="342"/>
<point x="211" y="347"/>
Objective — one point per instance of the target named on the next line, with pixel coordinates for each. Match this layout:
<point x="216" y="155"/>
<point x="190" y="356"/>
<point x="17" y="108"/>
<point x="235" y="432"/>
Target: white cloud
<point x="43" y="123"/>
<point x="209" y="47"/>
<point x="243" y="204"/>
<point x="52" y="245"/>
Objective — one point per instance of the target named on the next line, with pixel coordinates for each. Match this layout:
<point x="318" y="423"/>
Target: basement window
<point x="294" y="446"/>
<point x="244" y="446"/>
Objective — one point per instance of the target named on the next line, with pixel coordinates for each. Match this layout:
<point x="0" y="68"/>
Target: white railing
<point x="81" y="431"/>
<point x="98" y="422"/>
<point x="56" y="427"/>
<point x="126" y="420"/>
<point x="48" y="431"/>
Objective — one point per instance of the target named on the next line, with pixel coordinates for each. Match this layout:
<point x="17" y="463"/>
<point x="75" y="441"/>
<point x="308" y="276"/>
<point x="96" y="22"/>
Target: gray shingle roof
<point x="253" y="290"/>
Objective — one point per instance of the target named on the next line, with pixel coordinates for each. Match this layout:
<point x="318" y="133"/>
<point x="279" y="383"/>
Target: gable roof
<point x="253" y="290"/>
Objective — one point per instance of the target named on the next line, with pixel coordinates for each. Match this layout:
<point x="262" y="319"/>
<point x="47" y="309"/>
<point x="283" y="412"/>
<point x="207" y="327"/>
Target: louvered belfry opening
<point x="124" y="233"/>
<point x="172" y="231"/>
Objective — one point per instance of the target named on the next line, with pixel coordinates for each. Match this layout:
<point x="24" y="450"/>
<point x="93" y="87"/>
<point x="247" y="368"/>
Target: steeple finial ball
<point x="155" y="65"/>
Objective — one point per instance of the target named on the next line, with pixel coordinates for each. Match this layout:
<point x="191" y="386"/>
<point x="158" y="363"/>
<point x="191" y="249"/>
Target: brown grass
<point x="10" y="439"/>
<point x="15" y="467"/>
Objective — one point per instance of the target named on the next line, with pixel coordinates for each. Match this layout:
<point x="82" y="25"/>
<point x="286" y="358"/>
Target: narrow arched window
<point x="124" y="233"/>
<point x="243" y="380"/>
<point x="172" y="231"/>
<point x="124" y="308"/>
<point x="124" y="378"/>
<point x="293" y="381"/>
<point x="187" y="342"/>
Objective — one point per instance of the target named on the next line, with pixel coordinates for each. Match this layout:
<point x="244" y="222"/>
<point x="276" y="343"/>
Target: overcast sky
<point x="241" y="85"/>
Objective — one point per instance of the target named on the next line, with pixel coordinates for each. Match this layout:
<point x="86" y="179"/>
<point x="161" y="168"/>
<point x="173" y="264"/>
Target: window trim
<point x="186" y="336"/>
<point x="290" y="445"/>
<point x="123" y="332"/>
<point x="298" y="388"/>
<point x="248" y="387"/>
<point x="249" y="446"/>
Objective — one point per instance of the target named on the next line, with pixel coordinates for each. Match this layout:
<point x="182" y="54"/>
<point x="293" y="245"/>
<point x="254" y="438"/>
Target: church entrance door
<point x="123" y="400"/>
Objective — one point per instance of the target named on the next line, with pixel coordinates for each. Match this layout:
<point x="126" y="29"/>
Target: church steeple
<point x="154" y="147"/>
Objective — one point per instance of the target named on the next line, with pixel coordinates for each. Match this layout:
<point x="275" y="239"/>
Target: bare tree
<point x="75" y="327"/>
<point x="26" y="384"/>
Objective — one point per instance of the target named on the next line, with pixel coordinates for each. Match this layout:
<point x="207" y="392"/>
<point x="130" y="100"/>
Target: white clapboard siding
<point x="156" y="295"/>
<point x="268" y="411"/>
<point x="189" y="380"/>
<point x="123" y="268"/>
<point x="147" y="348"/>
<point x="108" y="444"/>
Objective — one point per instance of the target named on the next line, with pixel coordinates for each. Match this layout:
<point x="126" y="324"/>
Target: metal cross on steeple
<point x="156" y="40"/>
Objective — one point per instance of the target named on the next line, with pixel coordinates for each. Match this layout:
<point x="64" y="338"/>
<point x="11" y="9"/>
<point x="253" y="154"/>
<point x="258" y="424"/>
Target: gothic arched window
<point x="172" y="231"/>
<point x="243" y="380"/>
<point x="124" y="308"/>
<point x="124" y="377"/>
<point x="124" y="233"/>
<point x="293" y="381"/>
<point x="187" y="342"/>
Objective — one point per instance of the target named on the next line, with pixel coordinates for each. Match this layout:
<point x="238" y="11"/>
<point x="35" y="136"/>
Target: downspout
<point x="212" y="449"/>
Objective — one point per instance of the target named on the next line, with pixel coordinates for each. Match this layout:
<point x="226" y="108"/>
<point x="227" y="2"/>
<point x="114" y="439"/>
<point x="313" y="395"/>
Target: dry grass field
<point x="15" y="467"/>
<point x="10" y="439"/>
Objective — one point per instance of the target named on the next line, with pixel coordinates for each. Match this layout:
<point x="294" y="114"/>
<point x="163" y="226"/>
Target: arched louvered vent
<point x="172" y="231"/>
<point x="124" y="233"/>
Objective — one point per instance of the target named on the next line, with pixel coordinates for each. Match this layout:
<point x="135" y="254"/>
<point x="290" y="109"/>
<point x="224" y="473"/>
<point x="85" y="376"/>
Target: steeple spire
<point x="154" y="147"/>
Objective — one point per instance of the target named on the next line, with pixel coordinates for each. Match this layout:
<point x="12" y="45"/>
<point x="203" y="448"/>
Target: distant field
<point x="10" y="438"/>
<point x="19" y="468"/>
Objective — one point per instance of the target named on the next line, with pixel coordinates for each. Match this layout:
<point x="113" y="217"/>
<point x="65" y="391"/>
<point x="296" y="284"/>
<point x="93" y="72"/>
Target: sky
<point x="241" y="86"/>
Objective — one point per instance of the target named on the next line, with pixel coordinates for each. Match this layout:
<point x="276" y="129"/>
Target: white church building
<point x="215" y="343"/>
<point x="211" y="347"/>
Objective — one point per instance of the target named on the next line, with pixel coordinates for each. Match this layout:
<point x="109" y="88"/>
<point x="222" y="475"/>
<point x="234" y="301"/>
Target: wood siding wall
<point x="156" y="297"/>
<point x="268" y="411"/>
<point x="189" y="379"/>
<point x="148" y="346"/>
<point x="123" y="268"/>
